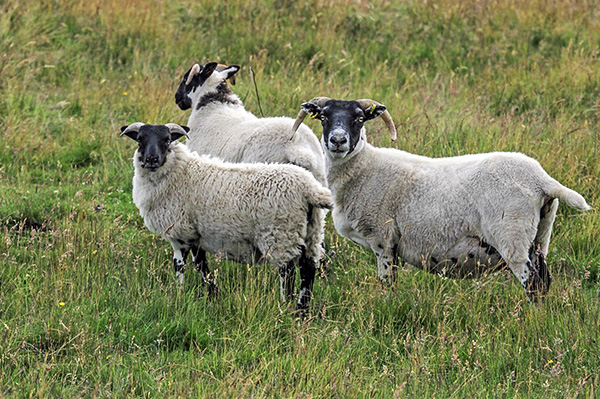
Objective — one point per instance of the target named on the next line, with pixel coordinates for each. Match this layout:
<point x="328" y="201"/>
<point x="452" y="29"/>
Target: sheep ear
<point x="176" y="136"/>
<point x="194" y="70"/>
<point x="374" y="111"/>
<point x="208" y="70"/>
<point x="311" y="108"/>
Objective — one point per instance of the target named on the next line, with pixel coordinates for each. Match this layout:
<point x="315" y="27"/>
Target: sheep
<point x="220" y="125"/>
<point x="248" y="212"/>
<point x="455" y="216"/>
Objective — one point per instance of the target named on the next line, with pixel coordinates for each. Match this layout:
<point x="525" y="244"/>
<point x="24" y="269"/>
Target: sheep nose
<point x="151" y="161"/>
<point x="338" y="140"/>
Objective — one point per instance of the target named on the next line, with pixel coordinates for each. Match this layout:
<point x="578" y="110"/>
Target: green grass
<point x="88" y="302"/>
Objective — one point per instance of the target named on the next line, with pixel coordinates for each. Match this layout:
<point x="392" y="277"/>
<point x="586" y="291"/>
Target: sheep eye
<point x="323" y="118"/>
<point x="360" y="119"/>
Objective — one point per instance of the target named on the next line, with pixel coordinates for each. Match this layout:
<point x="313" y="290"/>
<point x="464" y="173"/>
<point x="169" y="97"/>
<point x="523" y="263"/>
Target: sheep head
<point x="202" y="79"/>
<point x="153" y="141"/>
<point x="343" y="121"/>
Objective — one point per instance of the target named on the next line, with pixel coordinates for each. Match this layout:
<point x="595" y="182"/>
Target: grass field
<point x="88" y="302"/>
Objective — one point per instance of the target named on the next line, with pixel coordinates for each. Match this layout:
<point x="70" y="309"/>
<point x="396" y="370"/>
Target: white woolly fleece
<point x="230" y="132"/>
<point x="232" y="209"/>
<point x="427" y="210"/>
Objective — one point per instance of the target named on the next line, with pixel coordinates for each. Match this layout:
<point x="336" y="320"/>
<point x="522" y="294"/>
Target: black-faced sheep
<point x="247" y="212"/>
<point x="455" y="216"/>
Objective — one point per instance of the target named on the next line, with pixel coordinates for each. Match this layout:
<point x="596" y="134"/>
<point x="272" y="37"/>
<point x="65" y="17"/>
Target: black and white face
<point x="194" y="78"/>
<point x="342" y="123"/>
<point x="202" y="79"/>
<point x="153" y="144"/>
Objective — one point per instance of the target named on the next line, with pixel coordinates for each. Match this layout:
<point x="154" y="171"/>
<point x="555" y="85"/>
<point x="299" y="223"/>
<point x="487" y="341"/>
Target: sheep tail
<point x="320" y="197"/>
<point x="315" y="228"/>
<point x="568" y="196"/>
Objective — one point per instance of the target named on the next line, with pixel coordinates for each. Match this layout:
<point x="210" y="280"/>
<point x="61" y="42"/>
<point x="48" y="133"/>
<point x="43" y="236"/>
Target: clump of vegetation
<point x="88" y="303"/>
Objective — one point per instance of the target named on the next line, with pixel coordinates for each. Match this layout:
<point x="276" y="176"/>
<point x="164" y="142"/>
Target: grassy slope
<point x="88" y="306"/>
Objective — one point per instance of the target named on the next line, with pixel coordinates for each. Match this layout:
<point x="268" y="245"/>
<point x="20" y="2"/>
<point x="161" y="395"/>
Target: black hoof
<point x="301" y="311"/>
<point x="212" y="291"/>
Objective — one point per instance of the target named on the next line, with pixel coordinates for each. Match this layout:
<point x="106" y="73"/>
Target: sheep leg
<point x="521" y="251"/>
<point x="540" y="278"/>
<point x="386" y="258"/>
<point x="287" y="276"/>
<point x="180" y="253"/>
<point x="201" y="264"/>
<point x="547" y="216"/>
<point x="307" y="276"/>
<point x="533" y="273"/>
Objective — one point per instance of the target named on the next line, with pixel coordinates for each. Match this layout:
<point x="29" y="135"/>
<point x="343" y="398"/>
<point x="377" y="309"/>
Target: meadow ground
<point x="88" y="303"/>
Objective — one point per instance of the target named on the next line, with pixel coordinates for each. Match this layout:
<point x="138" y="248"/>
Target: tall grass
<point x="88" y="303"/>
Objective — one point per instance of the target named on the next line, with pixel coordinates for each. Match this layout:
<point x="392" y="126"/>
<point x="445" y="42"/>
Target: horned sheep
<point x="455" y="216"/>
<point x="248" y="212"/>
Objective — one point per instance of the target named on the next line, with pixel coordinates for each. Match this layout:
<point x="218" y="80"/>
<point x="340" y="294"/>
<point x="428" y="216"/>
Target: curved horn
<point x="193" y="72"/>
<point x="318" y="101"/>
<point x="387" y="118"/>
<point x="175" y="128"/>
<point x="134" y="127"/>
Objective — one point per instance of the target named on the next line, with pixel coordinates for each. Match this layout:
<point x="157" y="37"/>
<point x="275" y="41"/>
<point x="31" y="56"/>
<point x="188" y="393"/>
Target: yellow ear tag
<point x="313" y="115"/>
<point x="372" y="109"/>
